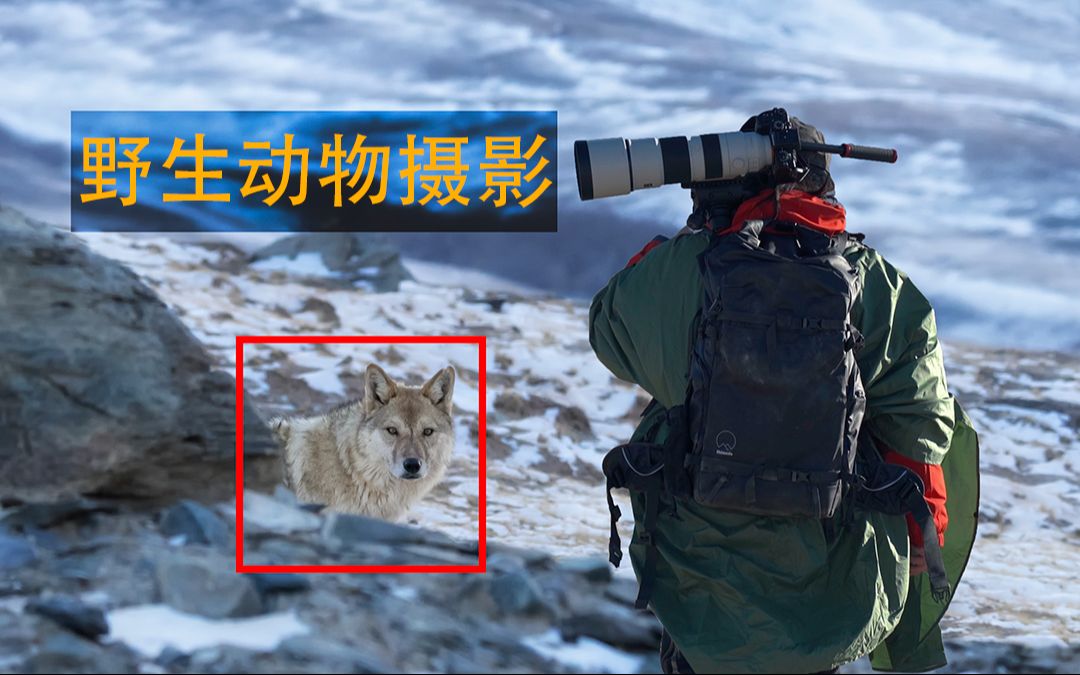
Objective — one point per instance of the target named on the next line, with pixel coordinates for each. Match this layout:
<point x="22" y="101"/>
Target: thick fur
<point x="356" y="458"/>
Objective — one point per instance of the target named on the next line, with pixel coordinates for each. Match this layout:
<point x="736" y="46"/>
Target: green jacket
<point x="741" y="593"/>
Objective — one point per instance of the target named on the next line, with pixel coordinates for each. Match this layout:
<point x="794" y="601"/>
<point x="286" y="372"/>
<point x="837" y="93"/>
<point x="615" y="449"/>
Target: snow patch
<point x="150" y="628"/>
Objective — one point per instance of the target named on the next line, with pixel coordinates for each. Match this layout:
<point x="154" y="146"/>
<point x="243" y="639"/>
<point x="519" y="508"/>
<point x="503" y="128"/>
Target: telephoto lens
<point x="607" y="167"/>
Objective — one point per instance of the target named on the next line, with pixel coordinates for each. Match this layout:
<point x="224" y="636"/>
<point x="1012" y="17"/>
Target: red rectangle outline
<point x="479" y="340"/>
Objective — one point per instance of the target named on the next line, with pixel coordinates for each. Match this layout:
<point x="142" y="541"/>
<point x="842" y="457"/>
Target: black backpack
<point x="776" y="401"/>
<point x="774" y="409"/>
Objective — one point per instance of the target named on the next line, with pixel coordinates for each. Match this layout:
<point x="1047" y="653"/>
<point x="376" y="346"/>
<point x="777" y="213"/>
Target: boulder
<point x="355" y="258"/>
<point x="15" y="552"/>
<point x="102" y="389"/>
<point x="196" y="524"/>
<point x="207" y="586"/>
<point x="71" y="613"/>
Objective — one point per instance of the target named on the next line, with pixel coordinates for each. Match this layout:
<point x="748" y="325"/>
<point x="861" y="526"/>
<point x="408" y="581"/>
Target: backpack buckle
<point x="854" y="339"/>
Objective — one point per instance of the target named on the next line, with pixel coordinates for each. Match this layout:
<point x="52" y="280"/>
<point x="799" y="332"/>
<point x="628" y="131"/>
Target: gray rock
<point x="331" y="656"/>
<point x="284" y="495"/>
<point x="39" y="515"/>
<point x="171" y="657"/>
<point x="616" y="625"/>
<point x="591" y="569"/>
<point x="63" y="652"/>
<point x="102" y="389"/>
<point x="351" y="529"/>
<point x="15" y="552"/>
<point x="503" y="562"/>
<point x="573" y="422"/>
<point x="17" y="631"/>
<point x="224" y="659"/>
<point x="354" y="257"/>
<point x="514" y="406"/>
<point x="264" y="513"/>
<point x="196" y="523"/>
<point x="280" y="583"/>
<point x="516" y="593"/>
<point x="71" y="613"/>
<point x="621" y="590"/>
<point x="207" y="585"/>
<point x="533" y="558"/>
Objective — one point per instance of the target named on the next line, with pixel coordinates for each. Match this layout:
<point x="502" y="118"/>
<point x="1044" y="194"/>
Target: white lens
<point x="610" y="167"/>
<point x="646" y="163"/>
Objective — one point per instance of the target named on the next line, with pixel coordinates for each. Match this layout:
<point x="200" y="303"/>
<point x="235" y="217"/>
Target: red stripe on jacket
<point x="656" y="241"/>
<point x="933" y="479"/>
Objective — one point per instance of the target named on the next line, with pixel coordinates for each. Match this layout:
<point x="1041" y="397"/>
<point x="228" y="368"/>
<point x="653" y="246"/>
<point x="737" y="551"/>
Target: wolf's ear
<point x="378" y="388"/>
<point x="282" y="429"/>
<point x="440" y="389"/>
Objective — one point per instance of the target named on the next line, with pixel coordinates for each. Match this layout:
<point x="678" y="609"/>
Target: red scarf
<point x="795" y="207"/>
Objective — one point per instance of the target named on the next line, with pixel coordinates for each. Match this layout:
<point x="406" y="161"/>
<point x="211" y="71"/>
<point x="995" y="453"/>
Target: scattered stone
<point x="359" y="530"/>
<point x="331" y="656"/>
<point x="266" y="513"/>
<point x="623" y="591"/>
<point x="196" y="524"/>
<point x="497" y="448"/>
<point x="63" y="652"/>
<point x="573" y="422"/>
<point x="516" y="593"/>
<point x="323" y="310"/>
<point x="284" y="495"/>
<point x="494" y="300"/>
<point x="72" y="614"/>
<point x="15" y="552"/>
<point x="515" y="406"/>
<point x="171" y="657"/>
<point x="597" y="570"/>
<point x="533" y="558"/>
<point x="223" y="659"/>
<point x="391" y="355"/>
<point x="280" y="583"/>
<point x="41" y="515"/>
<point x="503" y="562"/>
<point x="17" y="631"/>
<point x="353" y="257"/>
<point x="617" y="625"/>
<point x="207" y="586"/>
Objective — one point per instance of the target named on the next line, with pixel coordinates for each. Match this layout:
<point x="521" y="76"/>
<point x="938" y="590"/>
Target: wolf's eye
<point x="428" y="431"/>
<point x="392" y="431"/>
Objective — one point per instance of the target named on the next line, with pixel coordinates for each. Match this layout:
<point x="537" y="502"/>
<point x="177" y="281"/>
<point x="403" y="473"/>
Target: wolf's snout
<point x="412" y="467"/>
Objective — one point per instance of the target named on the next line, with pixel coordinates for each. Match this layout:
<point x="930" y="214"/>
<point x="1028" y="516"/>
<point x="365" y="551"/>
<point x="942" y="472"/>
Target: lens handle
<point x="887" y="155"/>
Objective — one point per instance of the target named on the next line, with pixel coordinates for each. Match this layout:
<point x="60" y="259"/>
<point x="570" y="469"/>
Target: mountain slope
<point x="554" y="410"/>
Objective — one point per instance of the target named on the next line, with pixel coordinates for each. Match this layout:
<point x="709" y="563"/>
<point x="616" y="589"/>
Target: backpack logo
<point x="725" y="443"/>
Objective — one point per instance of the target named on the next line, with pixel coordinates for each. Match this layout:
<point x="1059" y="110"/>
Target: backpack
<point x="776" y="401"/>
<point x="772" y="422"/>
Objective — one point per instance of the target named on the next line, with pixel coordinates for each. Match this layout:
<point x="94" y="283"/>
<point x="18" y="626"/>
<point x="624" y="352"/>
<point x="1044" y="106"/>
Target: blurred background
<point x="982" y="210"/>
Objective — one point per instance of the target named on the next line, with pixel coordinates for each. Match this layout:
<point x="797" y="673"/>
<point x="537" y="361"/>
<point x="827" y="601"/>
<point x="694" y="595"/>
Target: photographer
<point x="753" y="558"/>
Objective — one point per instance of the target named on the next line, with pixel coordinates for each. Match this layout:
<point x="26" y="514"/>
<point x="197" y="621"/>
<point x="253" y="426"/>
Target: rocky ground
<point x="111" y="585"/>
<point x="93" y="586"/>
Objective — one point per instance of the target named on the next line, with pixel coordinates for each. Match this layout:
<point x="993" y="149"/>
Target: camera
<point x="608" y="167"/>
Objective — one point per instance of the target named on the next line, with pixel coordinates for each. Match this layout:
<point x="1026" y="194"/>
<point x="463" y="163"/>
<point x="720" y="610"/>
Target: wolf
<point x="375" y="456"/>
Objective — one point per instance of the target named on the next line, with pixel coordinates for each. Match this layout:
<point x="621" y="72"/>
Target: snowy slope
<point x="544" y="489"/>
<point x="536" y="348"/>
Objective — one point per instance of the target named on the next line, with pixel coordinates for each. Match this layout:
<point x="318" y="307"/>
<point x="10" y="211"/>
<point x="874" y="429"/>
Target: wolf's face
<point x="408" y="428"/>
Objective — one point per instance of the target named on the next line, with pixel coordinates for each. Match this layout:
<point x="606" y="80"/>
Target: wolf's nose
<point x="411" y="466"/>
